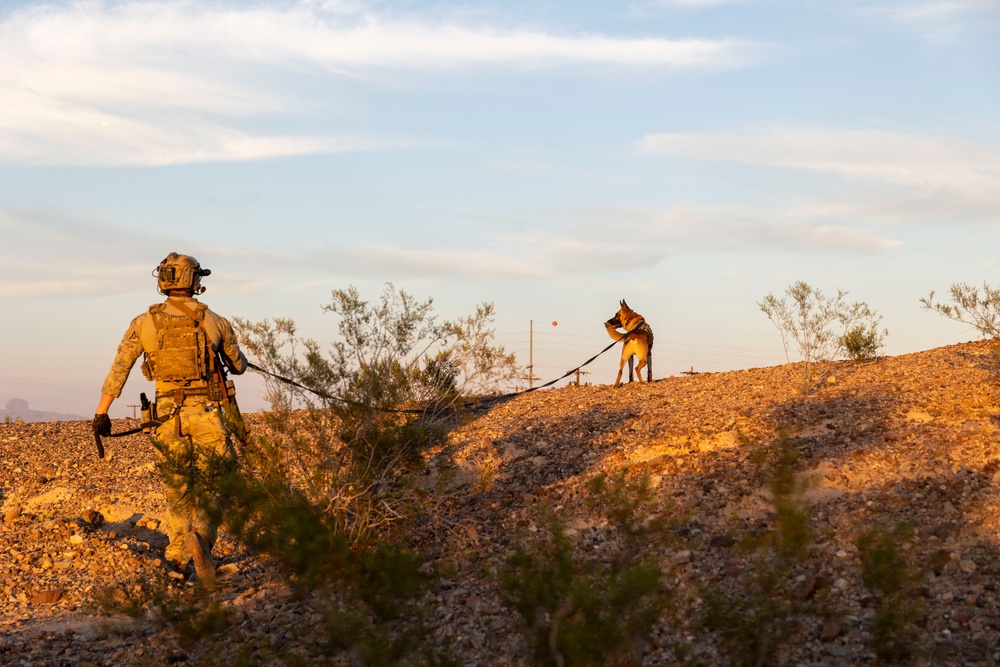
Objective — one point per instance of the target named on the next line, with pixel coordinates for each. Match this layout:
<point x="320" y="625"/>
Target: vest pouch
<point x="148" y="371"/>
<point x="180" y="350"/>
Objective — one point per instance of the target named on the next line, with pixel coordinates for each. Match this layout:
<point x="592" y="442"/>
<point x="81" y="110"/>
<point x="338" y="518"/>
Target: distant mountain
<point x="17" y="408"/>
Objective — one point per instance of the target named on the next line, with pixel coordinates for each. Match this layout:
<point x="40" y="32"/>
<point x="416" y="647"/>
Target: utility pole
<point x="578" y="374"/>
<point x="133" y="410"/>
<point x="531" y="353"/>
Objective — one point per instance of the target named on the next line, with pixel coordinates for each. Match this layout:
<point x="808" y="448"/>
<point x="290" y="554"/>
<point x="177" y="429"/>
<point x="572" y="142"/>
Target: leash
<point x="150" y="424"/>
<point x="153" y="423"/>
<point x="468" y="404"/>
<point x="329" y="397"/>
<point x="551" y="382"/>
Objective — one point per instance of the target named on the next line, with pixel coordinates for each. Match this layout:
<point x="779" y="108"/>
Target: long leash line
<point x="322" y="394"/>
<point x="490" y="399"/>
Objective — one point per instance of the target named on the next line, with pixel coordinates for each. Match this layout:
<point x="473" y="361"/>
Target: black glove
<point x="102" y="424"/>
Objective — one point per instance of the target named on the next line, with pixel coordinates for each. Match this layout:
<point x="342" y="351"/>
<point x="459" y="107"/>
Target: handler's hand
<point x="102" y="424"/>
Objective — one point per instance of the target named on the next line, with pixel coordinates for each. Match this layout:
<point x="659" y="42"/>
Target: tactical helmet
<point x="178" y="271"/>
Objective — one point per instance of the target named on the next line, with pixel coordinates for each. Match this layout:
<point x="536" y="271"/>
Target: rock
<point x="12" y="514"/>
<point x="722" y="541"/>
<point x="681" y="558"/>
<point x="831" y="630"/>
<point x="92" y="517"/>
<point x="944" y="530"/>
<point x="967" y="566"/>
<point x="50" y="596"/>
<point x="805" y="589"/>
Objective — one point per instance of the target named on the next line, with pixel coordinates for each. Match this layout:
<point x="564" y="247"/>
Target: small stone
<point x="47" y="597"/>
<point x="967" y="566"/>
<point x="831" y="630"/>
<point x="721" y="541"/>
<point x="805" y="589"/>
<point x="943" y="530"/>
<point x="12" y="514"/>
<point x="92" y="517"/>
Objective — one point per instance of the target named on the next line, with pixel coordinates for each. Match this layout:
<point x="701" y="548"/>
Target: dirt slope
<point x="909" y="440"/>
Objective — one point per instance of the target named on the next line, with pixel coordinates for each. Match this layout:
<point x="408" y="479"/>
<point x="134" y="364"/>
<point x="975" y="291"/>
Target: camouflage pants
<point x="191" y="464"/>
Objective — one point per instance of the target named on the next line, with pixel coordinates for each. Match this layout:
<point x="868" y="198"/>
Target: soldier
<point x="185" y="346"/>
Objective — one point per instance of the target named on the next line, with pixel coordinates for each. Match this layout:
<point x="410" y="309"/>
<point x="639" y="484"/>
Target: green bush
<point x="892" y="579"/>
<point x="755" y="611"/>
<point x="580" y="611"/>
<point x="862" y="343"/>
<point x="338" y="475"/>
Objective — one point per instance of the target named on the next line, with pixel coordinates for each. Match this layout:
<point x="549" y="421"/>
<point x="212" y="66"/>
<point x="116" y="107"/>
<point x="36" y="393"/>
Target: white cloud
<point x="929" y="173"/>
<point x="938" y="21"/>
<point x="697" y="4"/>
<point x="150" y="83"/>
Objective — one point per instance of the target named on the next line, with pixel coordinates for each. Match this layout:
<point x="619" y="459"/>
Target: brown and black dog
<point x="638" y="337"/>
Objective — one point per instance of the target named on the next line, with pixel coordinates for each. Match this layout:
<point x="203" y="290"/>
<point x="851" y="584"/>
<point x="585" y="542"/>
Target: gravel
<point x="908" y="440"/>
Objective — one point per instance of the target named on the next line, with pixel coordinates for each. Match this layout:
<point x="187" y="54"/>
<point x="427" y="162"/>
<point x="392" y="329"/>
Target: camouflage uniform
<point x="195" y="440"/>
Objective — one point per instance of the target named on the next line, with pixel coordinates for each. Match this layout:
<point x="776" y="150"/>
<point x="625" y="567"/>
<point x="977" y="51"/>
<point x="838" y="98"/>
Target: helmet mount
<point x="180" y="272"/>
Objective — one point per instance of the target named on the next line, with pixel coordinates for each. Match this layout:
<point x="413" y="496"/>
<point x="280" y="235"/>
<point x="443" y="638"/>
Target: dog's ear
<point x="625" y="305"/>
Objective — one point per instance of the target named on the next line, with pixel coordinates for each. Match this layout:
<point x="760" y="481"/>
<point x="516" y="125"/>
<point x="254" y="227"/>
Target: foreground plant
<point x="755" y="610"/>
<point x="898" y="609"/>
<point x="326" y="487"/>
<point x="585" y="611"/>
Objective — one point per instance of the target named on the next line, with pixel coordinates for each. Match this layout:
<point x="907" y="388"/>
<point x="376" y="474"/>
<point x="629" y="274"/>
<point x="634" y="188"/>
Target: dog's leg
<point x="639" y="366"/>
<point x="631" y="368"/>
<point x="649" y="366"/>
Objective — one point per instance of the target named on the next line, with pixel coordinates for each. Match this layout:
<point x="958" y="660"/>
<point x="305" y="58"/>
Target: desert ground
<point x="909" y="444"/>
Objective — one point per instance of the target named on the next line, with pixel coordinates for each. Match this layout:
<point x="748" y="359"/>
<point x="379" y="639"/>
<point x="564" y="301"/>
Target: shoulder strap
<point x="195" y="315"/>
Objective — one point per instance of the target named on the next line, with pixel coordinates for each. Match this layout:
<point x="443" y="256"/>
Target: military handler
<point x="185" y="346"/>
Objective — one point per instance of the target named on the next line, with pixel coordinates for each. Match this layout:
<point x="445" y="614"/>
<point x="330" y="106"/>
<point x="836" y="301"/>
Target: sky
<point x="550" y="157"/>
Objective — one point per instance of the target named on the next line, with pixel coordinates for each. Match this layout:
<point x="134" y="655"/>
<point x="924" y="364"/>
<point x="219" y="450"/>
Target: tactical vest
<point x="182" y="349"/>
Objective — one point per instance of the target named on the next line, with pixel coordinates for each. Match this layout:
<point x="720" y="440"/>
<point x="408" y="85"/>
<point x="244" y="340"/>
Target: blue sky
<point x="689" y="156"/>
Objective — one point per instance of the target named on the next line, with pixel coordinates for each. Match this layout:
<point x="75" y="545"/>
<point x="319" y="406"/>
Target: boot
<point x="203" y="565"/>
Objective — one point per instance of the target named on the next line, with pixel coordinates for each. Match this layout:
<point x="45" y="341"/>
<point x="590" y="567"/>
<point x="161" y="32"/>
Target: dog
<point x="638" y="339"/>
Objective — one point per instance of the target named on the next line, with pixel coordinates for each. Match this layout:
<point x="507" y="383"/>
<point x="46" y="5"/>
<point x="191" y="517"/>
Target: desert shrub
<point x="326" y="485"/>
<point x="969" y="305"/>
<point x="192" y="619"/>
<point x="862" y="343"/>
<point x="794" y="532"/>
<point x="806" y="316"/>
<point x="580" y="611"/>
<point x="892" y="579"/>
<point x="755" y="611"/>
<point x="342" y="466"/>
